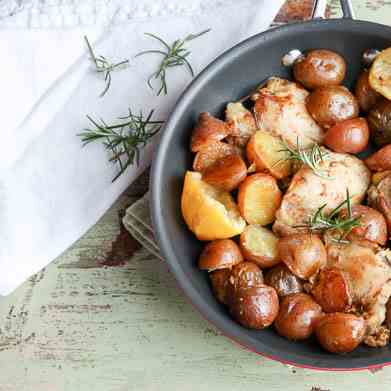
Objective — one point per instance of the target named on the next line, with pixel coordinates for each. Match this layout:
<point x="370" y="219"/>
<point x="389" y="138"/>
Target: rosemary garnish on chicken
<point x="102" y="64"/>
<point x="173" y="55"/>
<point x="123" y="140"/>
<point x="312" y="157"/>
<point x="343" y="225"/>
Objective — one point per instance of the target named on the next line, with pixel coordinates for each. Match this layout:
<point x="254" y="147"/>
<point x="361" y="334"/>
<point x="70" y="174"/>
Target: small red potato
<point x="373" y="225"/>
<point x="220" y="254"/>
<point x="255" y="307"/>
<point x="380" y="160"/>
<point x="332" y="104"/>
<point x="283" y="281"/>
<point x="303" y="254"/>
<point x="219" y="280"/>
<point x="319" y="68"/>
<point x="331" y="290"/>
<point x="298" y="316"/>
<point x="349" y="136"/>
<point x="227" y="173"/>
<point x="339" y="332"/>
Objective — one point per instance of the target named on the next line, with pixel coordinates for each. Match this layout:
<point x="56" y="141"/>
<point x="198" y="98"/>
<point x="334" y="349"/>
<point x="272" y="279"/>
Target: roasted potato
<point x="379" y="121"/>
<point x="208" y="130"/>
<point x="373" y="226"/>
<point x="259" y="245"/>
<point x="339" y="332"/>
<point x="255" y="307"/>
<point x="349" y="136"/>
<point x="227" y="173"/>
<point x="266" y="151"/>
<point x="380" y="160"/>
<point x="331" y="290"/>
<point x="303" y="254"/>
<point x="298" y="316"/>
<point x="365" y="94"/>
<point x="319" y="68"/>
<point x="208" y="212"/>
<point x="379" y="73"/>
<point x="212" y="153"/>
<point x="243" y="275"/>
<point x="332" y="104"/>
<point x="283" y="281"/>
<point x="220" y="254"/>
<point x="388" y="314"/>
<point x="219" y="280"/>
<point x="241" y="123"/>
<point x="259" y="197"/>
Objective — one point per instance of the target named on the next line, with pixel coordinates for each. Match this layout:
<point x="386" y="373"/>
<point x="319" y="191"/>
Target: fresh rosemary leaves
<point x="173" y="56"/>
<point x="124" y="139"/>
<point x="343" y="225"/>
<point x="102" y="64"/>
<point x="312" y="157"/>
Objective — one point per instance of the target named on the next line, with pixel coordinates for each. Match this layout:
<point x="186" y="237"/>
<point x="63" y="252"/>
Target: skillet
<point x="229" y="77"/>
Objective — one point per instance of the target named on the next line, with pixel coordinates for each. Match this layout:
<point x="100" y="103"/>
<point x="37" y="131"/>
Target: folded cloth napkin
<point x="51" y="189"/>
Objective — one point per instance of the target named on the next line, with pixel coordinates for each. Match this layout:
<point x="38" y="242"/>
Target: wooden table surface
<point x="107" y="316"/>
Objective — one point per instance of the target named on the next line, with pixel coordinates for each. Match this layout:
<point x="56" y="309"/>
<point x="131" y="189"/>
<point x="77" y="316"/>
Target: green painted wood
<point x="80" y="324"/>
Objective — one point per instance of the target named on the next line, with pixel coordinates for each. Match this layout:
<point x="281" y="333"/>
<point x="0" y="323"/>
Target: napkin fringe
<point x="47" y="14"/>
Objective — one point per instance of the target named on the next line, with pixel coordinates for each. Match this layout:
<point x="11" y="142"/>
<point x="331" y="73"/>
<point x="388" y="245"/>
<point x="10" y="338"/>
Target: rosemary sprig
<point x="102" y="64"/>
<point x="174" y="55"/>
<point x="312" y="157"/>
<point x="319" y="222"/>
<point x="123" y="140"/>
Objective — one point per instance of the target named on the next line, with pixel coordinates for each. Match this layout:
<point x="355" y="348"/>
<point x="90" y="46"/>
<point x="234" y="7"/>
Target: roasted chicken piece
<point x="365" y="271"/>
<point x="241" y="123"/>
<point x="308" y="191"/>
<point x="280" y="110"/>
<point x="379" y="197"/>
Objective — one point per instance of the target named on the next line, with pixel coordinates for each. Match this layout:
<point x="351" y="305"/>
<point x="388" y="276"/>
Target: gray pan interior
<point x="232" y="75"/>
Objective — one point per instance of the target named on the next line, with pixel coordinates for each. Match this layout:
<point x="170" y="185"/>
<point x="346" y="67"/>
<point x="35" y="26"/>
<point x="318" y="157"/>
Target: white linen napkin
<point x="51" y="189"/>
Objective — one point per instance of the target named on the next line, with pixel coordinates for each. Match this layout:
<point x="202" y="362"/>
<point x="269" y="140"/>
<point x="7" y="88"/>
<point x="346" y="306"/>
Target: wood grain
<point x="107" y="316"/>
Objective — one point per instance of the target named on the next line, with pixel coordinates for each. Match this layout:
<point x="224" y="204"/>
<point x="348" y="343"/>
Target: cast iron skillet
<point x="231" y="76"/>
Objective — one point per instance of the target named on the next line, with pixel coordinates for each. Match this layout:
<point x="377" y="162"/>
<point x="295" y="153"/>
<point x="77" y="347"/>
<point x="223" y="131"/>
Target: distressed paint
<point x="107" y="316"/>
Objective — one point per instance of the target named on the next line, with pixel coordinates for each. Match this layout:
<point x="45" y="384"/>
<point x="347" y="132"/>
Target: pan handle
<point x="319" y="10"/>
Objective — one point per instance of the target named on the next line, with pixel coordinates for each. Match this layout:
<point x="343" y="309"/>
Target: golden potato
<point x="211" y="154"/>
<point x="303" y="254"/>
<point x="283" y="281"/>
<point x="208" y="130"/>
<point x="380" y="73"/>
<point x="266" y="151"/>
<point x="339" y="332"/>
<point x="259" y="245"/>
<point x="298" y="316"/>
<point x="255" y="307"/>
<point x="331" y="290"/>
<point x="259" y="197"/>
<point x="220" y="254"/>
<point x="227" y="173"/>
<point x="208" y="212"/>
<point x="329" y="105"/>
<point x="319" y="68"/>
<point x="219" y="280"/>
